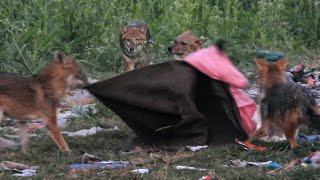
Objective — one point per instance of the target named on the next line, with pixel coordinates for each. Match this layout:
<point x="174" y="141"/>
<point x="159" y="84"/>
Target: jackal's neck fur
<point x="272" y="75"/>
<point x="53" y="81"/>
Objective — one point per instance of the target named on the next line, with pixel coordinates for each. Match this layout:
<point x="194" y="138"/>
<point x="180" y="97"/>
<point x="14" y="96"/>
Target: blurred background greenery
<point x="31" y="30"/>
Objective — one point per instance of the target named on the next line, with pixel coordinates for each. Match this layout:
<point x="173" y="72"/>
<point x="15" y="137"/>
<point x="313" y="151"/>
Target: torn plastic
<point x="208" y="177"/>
<point x="189" y="168"/>
<point x="88" y="132"/>
<point x="308" y="138"/>
<point x="8" y="144"/>
<point x="22" y="170"/>
<point x="313" y="160"/>
<point x="196" y="148"/>
<point x="100" y="165"/>
<point x="141" y="171"/>
<point x="267" y="164"/>
<point x="90" y="158"/>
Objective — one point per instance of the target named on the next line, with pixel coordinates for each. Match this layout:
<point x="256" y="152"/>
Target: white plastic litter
<point x="7" y="144"/>
<point x="196" y="148"/>
<point x="189" y="168"/>
<point x="141" y="171"/>
<point x="26" y="173"/>
<point x="88" y="132"/>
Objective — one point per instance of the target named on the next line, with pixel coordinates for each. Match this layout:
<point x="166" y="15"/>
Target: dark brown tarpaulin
<point x="172" y="103"/>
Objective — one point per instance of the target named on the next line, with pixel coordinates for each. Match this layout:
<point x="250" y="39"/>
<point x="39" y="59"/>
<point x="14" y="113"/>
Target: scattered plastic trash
<point x="246" y="145"/>
<point x="268" y="164"/>
<point x="239" y="163"/>
<point x="313" y="159"/>
<point x="189" y="168"/>
<point x="64" y="116"/>
<point x="84" y="109"/>
<point x="196" y="148"/>
<point x="25" y="173"/>
<point x="22" y="170"/>
<point x="286" y="167"/>
<point x="88" y="132"/>
<point x="141" y="171"/>
<point x="208" y="177"/>
<point x="134" y="151"/>
<point x="77" y="102"/>
<point x="89" y="158"/>
<point x="8" y="144"/>
<point x="308" y="138"/>
<point x="100" y="165"/>
<point x="274" y="138"/>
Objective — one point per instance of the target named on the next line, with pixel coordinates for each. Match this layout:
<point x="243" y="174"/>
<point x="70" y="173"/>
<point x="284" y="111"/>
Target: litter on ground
<point x="8" y="144"/>
<point x="313" y="160"/>
<point x="140" y="171"/>
<point x="21" y="170"/>
<point x="88" y="132"/>
<point x="267" y="164"/>
<point x="196" y="148"/>
<point x="100" y="165"/>
<point x="189" y="168"/>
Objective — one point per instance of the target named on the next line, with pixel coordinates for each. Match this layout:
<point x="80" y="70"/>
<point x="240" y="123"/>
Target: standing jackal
<point x="33" y="97"/>
<point x="284" y="106"/>
<point x="134" y="41"/>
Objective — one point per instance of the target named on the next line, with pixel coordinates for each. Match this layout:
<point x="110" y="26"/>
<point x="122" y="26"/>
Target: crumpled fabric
<point x="217" y="65"/>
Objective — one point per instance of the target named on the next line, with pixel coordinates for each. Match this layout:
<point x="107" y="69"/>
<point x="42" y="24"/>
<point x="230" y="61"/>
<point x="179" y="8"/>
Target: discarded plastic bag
<point x="88" y="132"/>
<point x="141" y="171"/>
<point x="89" y="158"/>
<point x="267" y="164"/>
<point x="287" y="167"/>
<point x="308" y="138"/>
<point x="196" y="148"/>
<point x="26" y="173"/>
<point x="8" y="144"/>
<point x="313" y="159"/>
<point x="189" y="168"/>
<point x="100" y="165"/>
<point x="208" y="177"/>
<point x="22" y="170"/>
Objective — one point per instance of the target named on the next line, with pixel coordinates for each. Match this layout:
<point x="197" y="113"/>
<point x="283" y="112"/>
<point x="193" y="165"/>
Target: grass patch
<point x="108" y="145"/>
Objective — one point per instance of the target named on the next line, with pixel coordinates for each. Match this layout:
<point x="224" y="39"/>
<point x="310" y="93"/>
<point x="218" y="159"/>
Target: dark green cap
<point x="271" y="56"/>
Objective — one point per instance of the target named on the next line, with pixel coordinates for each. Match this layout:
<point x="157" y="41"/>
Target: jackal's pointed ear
<point x="59" y="56"/>
<point x="282" y="64"/>
<point x="261" y="64"/>
<point x="124" y="30"/>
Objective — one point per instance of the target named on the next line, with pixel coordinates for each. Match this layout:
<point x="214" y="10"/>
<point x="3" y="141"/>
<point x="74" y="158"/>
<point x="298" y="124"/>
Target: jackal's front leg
<point x="51" y="124"/>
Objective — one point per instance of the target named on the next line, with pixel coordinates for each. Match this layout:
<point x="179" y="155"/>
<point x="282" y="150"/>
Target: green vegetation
<point x="30" y="30"/>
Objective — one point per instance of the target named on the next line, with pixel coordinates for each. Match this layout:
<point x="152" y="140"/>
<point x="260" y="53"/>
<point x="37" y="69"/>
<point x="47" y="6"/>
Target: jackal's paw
<point x="294" y="146"/>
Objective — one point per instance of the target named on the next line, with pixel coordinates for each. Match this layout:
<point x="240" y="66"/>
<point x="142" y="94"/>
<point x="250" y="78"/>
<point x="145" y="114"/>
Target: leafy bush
<point x="30" y="30"/>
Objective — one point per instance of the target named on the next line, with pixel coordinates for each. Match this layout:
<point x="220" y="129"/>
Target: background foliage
<point x="30" y="30"/>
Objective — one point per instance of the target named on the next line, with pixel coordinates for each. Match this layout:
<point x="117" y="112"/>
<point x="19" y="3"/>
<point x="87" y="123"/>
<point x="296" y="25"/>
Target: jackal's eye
<point x="183" y="43"/>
